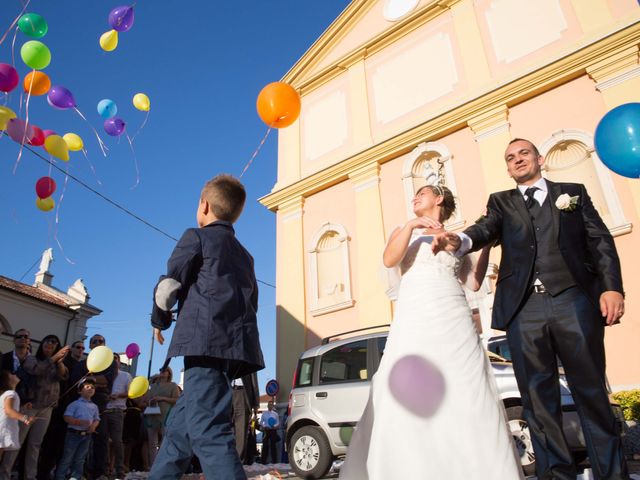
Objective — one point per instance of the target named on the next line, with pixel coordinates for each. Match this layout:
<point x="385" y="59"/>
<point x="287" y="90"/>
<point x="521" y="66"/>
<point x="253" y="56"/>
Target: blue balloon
<point x="107" y="108"/>
<point x="271" y="422"/>
<point x="617" y="140"/>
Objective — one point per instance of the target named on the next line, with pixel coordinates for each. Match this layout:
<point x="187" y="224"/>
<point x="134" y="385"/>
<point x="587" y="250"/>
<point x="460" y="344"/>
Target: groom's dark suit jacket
<point x="583" y="239"/>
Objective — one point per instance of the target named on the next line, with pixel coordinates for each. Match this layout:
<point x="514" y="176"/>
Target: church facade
<point x="395" y="92"/>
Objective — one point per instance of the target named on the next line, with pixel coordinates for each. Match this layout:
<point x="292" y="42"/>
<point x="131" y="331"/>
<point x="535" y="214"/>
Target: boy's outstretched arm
<point x="171" y="286"/>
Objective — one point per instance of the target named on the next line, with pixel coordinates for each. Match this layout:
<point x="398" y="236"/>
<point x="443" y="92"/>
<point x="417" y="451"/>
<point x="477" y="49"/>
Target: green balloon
<point x="33" y="25"/>
<point x="35" y="54"/>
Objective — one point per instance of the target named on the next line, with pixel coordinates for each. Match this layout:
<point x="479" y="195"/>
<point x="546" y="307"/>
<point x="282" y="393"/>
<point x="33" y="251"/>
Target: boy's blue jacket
<point x="211" y="276"/>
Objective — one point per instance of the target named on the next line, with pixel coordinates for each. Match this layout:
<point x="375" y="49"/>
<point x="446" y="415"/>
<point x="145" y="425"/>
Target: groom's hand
<point x="447" y="241"/>
<point x="612" y="306"/>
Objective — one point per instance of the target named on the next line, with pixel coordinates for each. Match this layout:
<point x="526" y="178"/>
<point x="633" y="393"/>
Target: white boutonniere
<point x="567" y="203"/>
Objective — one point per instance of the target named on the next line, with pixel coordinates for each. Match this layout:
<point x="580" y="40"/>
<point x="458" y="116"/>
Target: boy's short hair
<point x="86" y="381"/>
<point x="226" y="197"/>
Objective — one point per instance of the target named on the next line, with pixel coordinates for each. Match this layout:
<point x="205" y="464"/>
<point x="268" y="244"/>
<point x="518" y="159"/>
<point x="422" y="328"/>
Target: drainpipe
<point x="66" y="334"/>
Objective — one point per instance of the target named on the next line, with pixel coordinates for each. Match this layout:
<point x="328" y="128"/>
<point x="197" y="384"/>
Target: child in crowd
<point x="211" y="276"/>
<point x="83" y="419"/>
<point x="10" y="412"/>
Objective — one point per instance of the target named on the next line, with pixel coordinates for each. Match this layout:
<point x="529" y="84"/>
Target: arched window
<point x="4" y="326"/>
<point x="330" y="282"/>
<point x="571" y="157"/>
<point x="425" y="165"/>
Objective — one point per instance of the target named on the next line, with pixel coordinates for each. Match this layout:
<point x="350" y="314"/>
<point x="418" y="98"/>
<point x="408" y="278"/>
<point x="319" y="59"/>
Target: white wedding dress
<point x="467" y="436"/>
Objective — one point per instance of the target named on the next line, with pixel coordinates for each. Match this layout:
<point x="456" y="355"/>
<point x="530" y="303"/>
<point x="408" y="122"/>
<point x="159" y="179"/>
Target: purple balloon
<point x="121" y="18"/>
<point x="60" y="97"/>
<point x="16" y="130"/>
<point x="8" y="77"/>
<point x="133" y="350"/>
<point x="417" y="385"/>
<point x="114" y="126"/>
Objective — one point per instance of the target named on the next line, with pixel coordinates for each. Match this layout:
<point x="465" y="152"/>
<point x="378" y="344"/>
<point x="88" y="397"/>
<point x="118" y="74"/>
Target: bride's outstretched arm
<point x="397" y="245"/>
<point x="474" y="269"/>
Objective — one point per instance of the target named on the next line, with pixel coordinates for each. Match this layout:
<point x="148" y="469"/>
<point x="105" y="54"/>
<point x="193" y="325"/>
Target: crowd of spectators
<point x="49" y="399"/>
<point x="59" y="421"/>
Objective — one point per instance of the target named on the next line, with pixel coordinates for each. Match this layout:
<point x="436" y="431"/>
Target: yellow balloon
<point x="45" y="204"/>
<point x="141" y="102"/>
<point x="56" y="146"/>
<point x="6" y="114"/>
<point x="109" y="40"/>
<point x="74" y="142"/>
<point x="99" y="359"/>
<point x="138" y="387"/>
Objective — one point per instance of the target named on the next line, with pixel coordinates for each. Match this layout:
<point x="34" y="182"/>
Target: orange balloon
<point x="41" y="83"/>
<point x="278" y="104"/>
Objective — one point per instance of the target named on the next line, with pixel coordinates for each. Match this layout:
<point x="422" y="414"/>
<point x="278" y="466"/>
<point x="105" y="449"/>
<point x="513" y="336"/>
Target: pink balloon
<point x="132" y="350"/>
<point x="417" y="385"/>
<point x="16" y="130"/>
<point x="8" y="77"/>
<point x="48" y="132"/>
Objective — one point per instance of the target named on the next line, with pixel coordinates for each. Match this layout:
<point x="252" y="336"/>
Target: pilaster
<point x="290" y="290"/>
<point x="373" y="305"/>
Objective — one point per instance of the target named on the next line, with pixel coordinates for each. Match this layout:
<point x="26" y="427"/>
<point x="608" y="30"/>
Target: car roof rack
<point x="325" y="340"/>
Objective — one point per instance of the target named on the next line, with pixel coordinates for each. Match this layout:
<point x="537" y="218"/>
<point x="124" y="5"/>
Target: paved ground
<point x="282" y="471"/>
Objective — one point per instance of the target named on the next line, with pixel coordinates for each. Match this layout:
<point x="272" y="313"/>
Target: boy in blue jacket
<point x="211" y="277"/>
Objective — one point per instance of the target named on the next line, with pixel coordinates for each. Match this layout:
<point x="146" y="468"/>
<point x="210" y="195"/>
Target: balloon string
<point x="103" y="147"/>
<point x="64" y="189"/>
<point x="135" y="161"/>
<point x="55" y="233"/>
<point x="140" y="127"/>
<point x="257" y="150"/>
<point x="26" y="126"/>
<point x="75" y="385"/>
<point x="13" y="24"/>
<point x="84" y="152"/>
<point x="13" y="48"/>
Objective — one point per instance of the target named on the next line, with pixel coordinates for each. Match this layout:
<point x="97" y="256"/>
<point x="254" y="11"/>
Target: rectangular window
<point x="346" y="363"/>
<point x="304" y="373"/>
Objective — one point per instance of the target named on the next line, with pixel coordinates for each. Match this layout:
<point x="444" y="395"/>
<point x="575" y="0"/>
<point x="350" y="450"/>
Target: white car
<point x="331" y="388"/>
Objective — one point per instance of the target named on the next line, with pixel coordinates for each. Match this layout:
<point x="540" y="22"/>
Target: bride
<point x="433" y="412"/>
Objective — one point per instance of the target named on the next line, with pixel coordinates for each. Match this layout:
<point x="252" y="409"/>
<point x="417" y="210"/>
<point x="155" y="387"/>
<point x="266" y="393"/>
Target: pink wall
<point x="334" y="205"/>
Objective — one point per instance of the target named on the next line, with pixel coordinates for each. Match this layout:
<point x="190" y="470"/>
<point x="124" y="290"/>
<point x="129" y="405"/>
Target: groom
<point x="558" y="285"/>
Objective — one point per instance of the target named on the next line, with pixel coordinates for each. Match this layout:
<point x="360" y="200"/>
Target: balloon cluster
<point x="100" y="358"/>
<point x="121" y="20"/>
<point x="107" y="109"/>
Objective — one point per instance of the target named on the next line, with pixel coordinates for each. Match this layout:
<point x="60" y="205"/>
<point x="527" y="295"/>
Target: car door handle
<point x="321" y="394"/>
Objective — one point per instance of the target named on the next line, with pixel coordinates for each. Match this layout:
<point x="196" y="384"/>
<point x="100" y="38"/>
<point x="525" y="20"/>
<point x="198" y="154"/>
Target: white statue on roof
<point x="47" y="258"/>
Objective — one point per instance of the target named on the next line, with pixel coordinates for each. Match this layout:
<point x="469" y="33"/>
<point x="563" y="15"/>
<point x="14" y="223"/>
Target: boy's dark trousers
<point x="200" y="424"/>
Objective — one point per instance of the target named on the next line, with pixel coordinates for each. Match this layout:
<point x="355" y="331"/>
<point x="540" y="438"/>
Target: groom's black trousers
<point x="569" y="326"/>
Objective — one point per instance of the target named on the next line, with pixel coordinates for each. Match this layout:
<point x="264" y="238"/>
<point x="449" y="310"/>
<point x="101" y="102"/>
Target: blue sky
<point x="202" y="64"/>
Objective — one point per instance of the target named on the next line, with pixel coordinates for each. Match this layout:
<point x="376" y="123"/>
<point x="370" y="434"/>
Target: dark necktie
<point x="529" y="194"/>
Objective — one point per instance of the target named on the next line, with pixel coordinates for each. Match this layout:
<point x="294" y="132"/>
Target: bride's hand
<point x="424" y="222"/>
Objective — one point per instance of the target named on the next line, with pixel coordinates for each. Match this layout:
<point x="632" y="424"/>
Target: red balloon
<point x="45" y="187"/>
<point x="37" y="138"/>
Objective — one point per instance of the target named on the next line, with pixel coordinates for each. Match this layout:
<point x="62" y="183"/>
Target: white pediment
<point x="357" y="25"/>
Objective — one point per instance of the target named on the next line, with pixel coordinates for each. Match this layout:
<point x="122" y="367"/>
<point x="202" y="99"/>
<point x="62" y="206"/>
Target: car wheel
<point x="310" y="455"/>
<point x="520" y="430"/>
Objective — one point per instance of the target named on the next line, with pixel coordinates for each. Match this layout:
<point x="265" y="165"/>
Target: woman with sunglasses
<point x="48" y="370"/>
